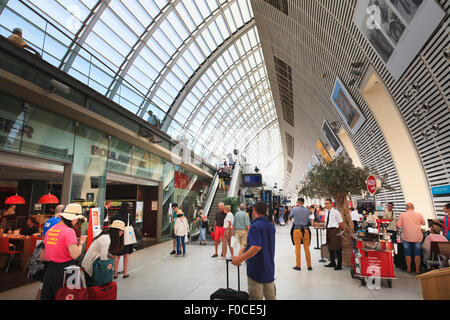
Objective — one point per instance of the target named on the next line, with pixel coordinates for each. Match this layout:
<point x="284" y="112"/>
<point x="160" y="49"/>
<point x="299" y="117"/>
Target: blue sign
<point x="441" y="190"/>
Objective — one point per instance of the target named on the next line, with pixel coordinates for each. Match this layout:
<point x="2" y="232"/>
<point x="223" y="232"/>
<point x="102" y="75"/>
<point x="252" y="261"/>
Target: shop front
<point x="77" y="163"/>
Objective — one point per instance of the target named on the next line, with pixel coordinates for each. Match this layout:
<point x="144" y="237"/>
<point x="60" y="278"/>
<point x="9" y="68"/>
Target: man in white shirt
<point x="333" y="223"/>
<point x="389" y="214"/>
<point x="354" y="214"/>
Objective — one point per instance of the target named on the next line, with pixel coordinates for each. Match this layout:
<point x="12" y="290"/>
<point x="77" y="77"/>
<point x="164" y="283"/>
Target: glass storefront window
<point x="47" y="134"/>
<point x="119" y="156"/>
<point x="11" y="122"/>
<point x="89" y="167"/>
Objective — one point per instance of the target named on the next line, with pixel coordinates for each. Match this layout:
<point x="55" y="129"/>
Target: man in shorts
<point x="412" y="235"/>
<point x="218" y="228"/>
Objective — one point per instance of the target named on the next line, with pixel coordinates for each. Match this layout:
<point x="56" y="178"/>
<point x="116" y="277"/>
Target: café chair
<point x="4" y="249"/>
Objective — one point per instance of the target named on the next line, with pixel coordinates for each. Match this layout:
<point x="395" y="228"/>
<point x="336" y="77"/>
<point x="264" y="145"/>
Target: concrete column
<point x="67" y="184"/>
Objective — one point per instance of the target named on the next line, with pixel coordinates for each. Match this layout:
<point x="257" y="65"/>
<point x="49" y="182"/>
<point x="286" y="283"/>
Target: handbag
<point x="129" y="236"/>
<point x="102" y="272"/>
<point x="77" y="291"/>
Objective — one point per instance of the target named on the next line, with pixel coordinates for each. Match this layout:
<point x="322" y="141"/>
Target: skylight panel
<point x="164" y="43"/>
<point x="223" y="29"/>
<point x="191" y="60"/>
<point x="186" y="17"/>
<point x="174" y="81"/>
<point x="209" y="39"/>
<point x="211" y="75"/>
<point x="185" y="66"/>
<point x="171" y="34"/>
<point x="203" y="46"/>
<point x="169" y="89"/>
<point x="138" y="11"/>
<point x="161" y="3"/>
<point x="216" y="33"/>
<point x="158" y="50"/>
<point x="236" y="15"/>
<point x="193" y="11"/>
<point x="181" y="75"/>
<point x="178" y="25"/>
<point x="102" y="30"/>
<point x="245" y="9"/>
<point x="203" y="7"/>
<point x="133" y="26"/>
<point x="151" y="59"/>
<point x="230" y="20"/>
<point x="196" y="52"/>
<point x="152" y="9"/>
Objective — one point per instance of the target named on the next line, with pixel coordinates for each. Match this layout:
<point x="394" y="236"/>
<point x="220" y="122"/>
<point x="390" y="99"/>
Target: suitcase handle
<point x="239" y="276"/>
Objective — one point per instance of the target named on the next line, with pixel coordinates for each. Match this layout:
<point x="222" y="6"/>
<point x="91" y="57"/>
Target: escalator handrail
<point x="211" y="193"/>
<point x="234" y="180"/>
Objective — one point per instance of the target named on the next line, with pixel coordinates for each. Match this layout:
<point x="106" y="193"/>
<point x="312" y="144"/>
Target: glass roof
<point x="197" y="65"/>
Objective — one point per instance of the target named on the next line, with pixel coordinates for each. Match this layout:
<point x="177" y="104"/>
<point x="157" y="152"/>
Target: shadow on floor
<point x="15" y="277"/>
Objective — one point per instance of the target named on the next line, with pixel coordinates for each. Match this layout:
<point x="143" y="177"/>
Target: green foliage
<point x="233" y="203"/>
<point x="339" y="176"/>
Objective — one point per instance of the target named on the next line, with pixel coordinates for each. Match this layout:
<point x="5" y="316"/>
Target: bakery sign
<point x="118" y="157"/>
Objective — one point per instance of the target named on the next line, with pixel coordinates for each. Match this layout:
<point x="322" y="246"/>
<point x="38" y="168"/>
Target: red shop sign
<point x="371" y="184"/>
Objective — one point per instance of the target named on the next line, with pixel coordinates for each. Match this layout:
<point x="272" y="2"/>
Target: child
<point x="181" y="230"/>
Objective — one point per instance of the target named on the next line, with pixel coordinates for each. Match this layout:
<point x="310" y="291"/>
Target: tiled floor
<point x="154" y="274"/>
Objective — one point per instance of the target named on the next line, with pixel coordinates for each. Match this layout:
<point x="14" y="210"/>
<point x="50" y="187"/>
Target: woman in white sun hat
<point x="61" y="249"/>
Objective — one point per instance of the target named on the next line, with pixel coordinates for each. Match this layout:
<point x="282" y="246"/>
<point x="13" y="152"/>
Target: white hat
<point x="118" y="224"/>
<point x="72" y="212"/>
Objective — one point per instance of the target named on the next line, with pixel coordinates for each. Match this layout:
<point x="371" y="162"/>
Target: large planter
<point x="347" y="249"/>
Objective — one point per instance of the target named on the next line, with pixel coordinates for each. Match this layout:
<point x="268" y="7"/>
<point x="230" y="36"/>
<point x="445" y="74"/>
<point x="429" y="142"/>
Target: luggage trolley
<point x="372" y="255"/>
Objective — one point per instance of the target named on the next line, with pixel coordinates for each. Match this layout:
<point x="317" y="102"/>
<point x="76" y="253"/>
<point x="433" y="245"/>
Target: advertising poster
<point x="139" y="211"/>
<point x="331" y="137"/>
<point x="94" y="226"/>
<point x="397" y="29"/>
<point x="323" y="151"/>
<point x="346" y="106"/>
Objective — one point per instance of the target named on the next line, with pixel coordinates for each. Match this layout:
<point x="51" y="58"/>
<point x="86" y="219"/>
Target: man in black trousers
<point x="334" y="224"/>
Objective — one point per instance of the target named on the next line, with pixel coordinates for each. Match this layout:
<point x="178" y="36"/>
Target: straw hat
<point x="118" y="224"/>
<point x="72" y="212"/>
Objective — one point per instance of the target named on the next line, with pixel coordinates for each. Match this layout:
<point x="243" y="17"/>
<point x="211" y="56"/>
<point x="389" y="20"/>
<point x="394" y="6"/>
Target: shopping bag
<point x="129" y="236"/>
<point x="102" y="272"/>
<point x="74" y="287"/>
<point x="234" y="242"/>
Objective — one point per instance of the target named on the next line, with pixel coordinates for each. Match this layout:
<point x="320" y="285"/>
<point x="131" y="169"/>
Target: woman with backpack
<point x="109" y="241"/>
<point x="61" y="249"/>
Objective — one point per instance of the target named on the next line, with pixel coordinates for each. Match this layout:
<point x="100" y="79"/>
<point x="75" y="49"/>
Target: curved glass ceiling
<point x="197" y="65"/>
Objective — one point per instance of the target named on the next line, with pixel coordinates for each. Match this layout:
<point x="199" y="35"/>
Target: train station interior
<point x="196" y="135"/>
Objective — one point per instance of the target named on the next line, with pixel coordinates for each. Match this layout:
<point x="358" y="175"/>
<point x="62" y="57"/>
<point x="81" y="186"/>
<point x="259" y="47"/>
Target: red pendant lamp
<point x="48" y="199"/>
<point x="15" y="199"/>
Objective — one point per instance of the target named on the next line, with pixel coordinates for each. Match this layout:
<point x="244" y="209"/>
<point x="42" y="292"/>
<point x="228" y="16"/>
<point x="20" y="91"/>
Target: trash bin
<point x="436" y="284"/>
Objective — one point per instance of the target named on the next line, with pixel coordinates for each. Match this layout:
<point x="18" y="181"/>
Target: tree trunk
<point x="342" y="206"/>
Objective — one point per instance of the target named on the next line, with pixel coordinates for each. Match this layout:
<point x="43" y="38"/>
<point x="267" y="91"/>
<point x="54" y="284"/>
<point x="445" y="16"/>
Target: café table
<point x="24" y="242"/>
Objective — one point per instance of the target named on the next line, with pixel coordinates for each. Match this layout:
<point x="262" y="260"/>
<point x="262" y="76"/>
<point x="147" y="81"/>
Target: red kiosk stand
<point x="373" y="259"/>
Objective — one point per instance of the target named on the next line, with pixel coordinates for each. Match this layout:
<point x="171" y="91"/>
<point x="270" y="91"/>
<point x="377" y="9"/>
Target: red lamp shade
<point x="16" y="199"/>
<point x="48" y="199"/>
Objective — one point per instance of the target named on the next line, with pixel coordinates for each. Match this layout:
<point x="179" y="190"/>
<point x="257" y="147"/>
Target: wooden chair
<point x="444" y="254"/>
<point x="4" y="249"/>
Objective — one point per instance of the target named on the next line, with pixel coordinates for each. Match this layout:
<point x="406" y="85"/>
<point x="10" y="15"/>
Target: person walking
<point x="124" y="216"/>
<point x="334" y="223"/>
<point x="203" y="219"/>
<point x="356" y="217"/>
<point x="301" y="233"/>
<point x="218" y="228"/>
<point x="241" y="224"/>
<point x="173" y="216"/>
<point x="61" y="248"/>
<point x="412" y="235"/>
<point x="181" y="230"/>
<point x="227" y="233"/>
<point x="260" y="256"/>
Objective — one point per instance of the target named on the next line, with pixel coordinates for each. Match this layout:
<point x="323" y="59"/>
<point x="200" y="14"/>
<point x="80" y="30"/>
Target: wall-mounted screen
<point x="253" y="180"/>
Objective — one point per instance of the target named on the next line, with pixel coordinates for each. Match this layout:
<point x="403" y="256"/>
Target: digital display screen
<point x="252" y="180"/>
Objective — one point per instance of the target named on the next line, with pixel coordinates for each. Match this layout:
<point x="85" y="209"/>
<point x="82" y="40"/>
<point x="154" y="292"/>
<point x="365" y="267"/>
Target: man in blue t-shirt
<point x="260" y="255"/>
<point x="52" y="221"/>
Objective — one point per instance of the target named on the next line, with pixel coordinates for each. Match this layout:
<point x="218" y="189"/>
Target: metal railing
<point x="211" y="194"/>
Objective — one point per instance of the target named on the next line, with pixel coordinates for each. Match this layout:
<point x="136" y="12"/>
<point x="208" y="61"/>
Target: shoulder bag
<point x="129" y="236"/>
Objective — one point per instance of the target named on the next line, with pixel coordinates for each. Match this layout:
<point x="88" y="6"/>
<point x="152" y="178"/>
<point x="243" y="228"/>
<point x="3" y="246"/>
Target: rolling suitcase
<point x="228" y="293"/>
<point x="106" y="292"/>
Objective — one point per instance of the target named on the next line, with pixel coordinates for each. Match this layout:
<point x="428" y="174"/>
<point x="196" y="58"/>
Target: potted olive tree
<point x="338" y="180"/>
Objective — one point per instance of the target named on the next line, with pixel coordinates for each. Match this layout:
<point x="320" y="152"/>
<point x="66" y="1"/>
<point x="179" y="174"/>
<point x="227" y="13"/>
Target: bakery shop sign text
<point x="118" y="157"/>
